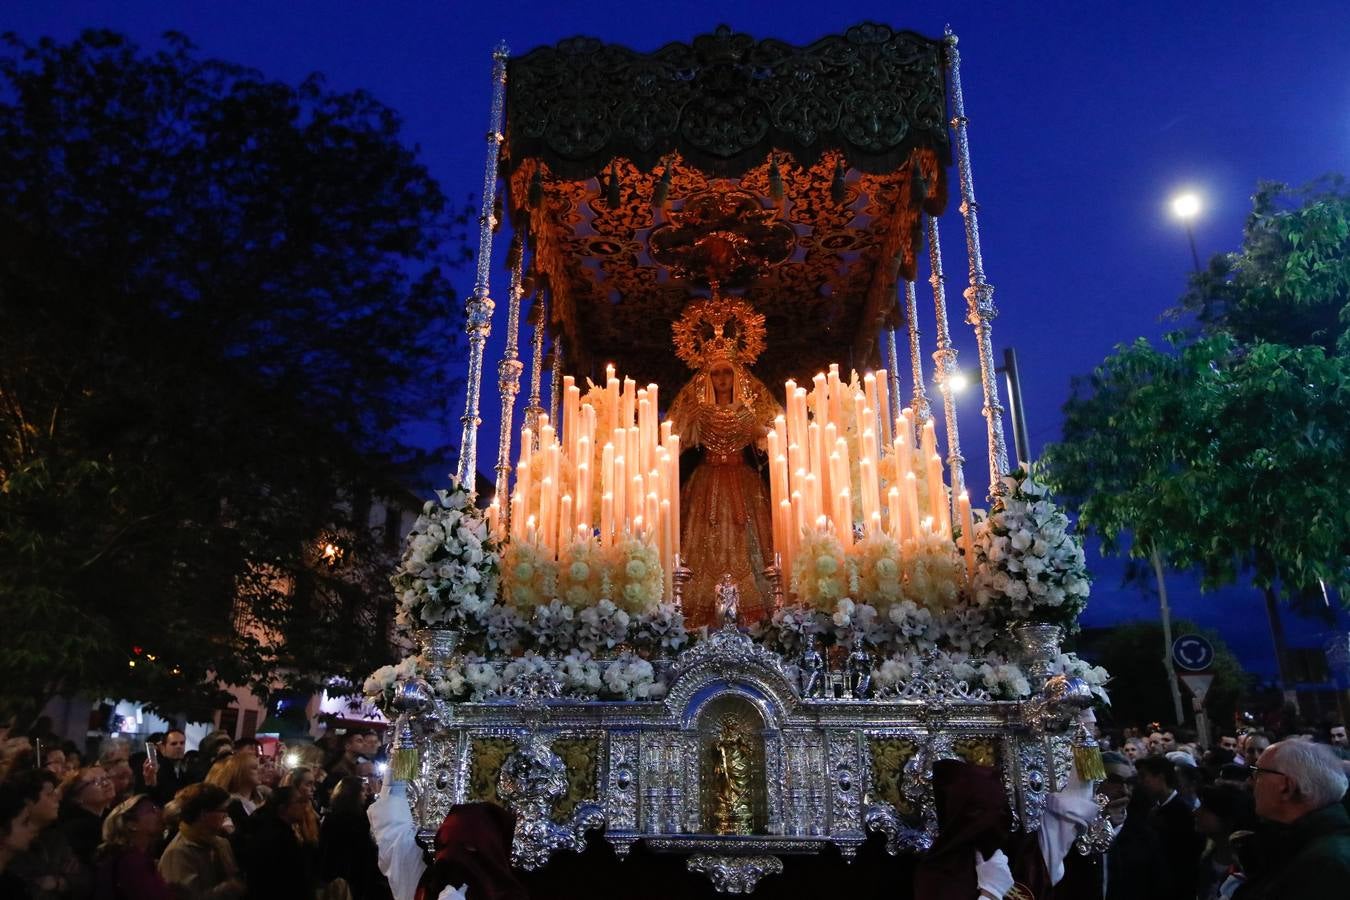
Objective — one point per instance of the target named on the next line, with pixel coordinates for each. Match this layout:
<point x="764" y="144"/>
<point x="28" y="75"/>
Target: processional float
<point x="728" y="600"/>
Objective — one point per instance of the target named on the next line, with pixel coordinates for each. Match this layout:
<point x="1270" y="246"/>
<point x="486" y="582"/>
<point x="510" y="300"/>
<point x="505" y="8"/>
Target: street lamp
<point x="957" y="382"/>
<point x="1186" y="206"/>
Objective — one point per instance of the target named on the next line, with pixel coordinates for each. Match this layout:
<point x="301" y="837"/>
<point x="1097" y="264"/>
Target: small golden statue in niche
<point x="733" y="765"/>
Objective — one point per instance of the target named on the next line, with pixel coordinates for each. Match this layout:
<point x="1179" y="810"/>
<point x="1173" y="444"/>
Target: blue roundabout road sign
<point x="1192" y="653"/>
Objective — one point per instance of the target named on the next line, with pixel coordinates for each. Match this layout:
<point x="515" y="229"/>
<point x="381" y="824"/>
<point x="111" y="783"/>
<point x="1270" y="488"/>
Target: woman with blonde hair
<point x="239" y="776"/>
<point x="305" y="781"/>
<point x="126" y="865"/>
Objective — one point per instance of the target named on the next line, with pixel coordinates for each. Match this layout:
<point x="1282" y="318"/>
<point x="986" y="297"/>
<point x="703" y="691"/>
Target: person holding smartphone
<point x="166" y="772"/>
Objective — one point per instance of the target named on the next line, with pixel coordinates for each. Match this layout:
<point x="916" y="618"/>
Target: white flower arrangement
<point x="968" y="629"/>
<point x="1004" y="679"/>
<point x="481" y="677"/>
<point x="553" y="626"/>
<point x="381" y="684"/>
<point x="880" y="569"/>
<point x="932" y="570"/>
<point x="530" y="575"/>
<point x="580" y="574"/>
<point x="449" y="572"/>
<point x="636" y="576"/>
<point x="661" y="630"/>
<point x="529" y="664"/>
<point x="631" y="677"/>
<point x="820" y="572"/>
<point x="581" y="676"/>
<point x="603" y="626"/>
<point x="1095" y="676"/>
<point x="914" y="625"/>
<point x="893" y="671"/>
<point x="504" y="629"/>
<point x="1029" y="566"/>
<point x="791" y="629"/>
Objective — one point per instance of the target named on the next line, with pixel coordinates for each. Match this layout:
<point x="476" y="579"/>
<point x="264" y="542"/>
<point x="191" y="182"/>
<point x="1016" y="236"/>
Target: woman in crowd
<point x="16" y="833"/>
<point x="198" y="863"/>
<point x="238" y="776"/>
<point x="277" y="864"/>
<point x="348" y="850"/>
<point x="49" y="867"/>
<point x="85" y="798"/>
<point x="126" y="864"/>
<point x="305" y="782"/>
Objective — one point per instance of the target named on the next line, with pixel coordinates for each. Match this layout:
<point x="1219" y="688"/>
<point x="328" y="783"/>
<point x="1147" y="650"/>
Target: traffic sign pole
<point x="1194" y="654"/>
<point x="1198" y="684"/>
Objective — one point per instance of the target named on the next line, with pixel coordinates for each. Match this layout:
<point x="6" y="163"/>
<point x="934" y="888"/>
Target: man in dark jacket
<point x="1299" y="786"/>
<point x="164" y="779"/>
<point x="1173" y="823"/>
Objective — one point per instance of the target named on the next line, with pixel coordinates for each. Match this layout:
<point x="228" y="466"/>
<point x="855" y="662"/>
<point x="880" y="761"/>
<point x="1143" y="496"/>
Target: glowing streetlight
<point x="1187" y="206"/>
<point x="957" y="382"/>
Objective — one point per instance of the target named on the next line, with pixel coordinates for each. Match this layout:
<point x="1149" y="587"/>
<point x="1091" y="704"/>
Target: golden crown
<point x="719" y="327"/>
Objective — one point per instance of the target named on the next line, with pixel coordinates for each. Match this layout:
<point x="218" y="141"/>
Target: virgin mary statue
<point x="722" y="416"/>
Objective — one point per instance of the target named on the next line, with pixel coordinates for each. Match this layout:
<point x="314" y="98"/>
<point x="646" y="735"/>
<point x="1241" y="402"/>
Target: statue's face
<point x="723" y="377"/>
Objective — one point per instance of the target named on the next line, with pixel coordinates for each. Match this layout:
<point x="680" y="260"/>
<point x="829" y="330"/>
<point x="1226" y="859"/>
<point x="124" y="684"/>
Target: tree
<point x="221" y="299"/>
<point x="1290" y="283"/>
<point x="1117" y="462"/>
<point x="1223" y="452"/>
<point x="1139" y="689"/>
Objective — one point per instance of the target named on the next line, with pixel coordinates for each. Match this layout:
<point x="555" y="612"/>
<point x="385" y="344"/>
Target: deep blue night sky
<point x="1084" y="119"/>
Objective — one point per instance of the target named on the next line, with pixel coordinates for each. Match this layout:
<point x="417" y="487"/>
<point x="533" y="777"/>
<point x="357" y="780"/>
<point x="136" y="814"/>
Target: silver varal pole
<point x="535" y="408"/>
<point x="944" y="360"/>
<point x="508" y="381"/>
<point x="919" y="403"/>
<point x="980" y="310"/>
<point x="893" y="374"/>
<point x="478" y="308"/>
<point x="555" y="382"/>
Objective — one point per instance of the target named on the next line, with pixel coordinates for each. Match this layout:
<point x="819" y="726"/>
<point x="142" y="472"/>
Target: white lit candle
<point x="607" y="519"/>
<point x="937" y="497"/>
<point x="909" y="488"/>
<point x="869" y="497"/>
<point x="564" y="522"/>
<point x="620" y="499"/>
<point x="967" y="534"/>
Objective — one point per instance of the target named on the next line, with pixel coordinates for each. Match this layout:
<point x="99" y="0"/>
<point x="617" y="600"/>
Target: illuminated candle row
<point x="812" y="457"/>
<point x="634" y="457"/>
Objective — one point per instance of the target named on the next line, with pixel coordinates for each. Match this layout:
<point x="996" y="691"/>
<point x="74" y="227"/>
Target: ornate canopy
<point x="799" y="173"/>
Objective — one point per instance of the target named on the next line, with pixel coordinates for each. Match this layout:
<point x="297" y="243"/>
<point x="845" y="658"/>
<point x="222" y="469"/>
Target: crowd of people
<point x="224" y="821"/>
<point x="1251" y="818"/>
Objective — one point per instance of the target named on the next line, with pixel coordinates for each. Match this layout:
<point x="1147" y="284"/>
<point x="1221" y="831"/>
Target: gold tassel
<point x="775" y="181"/>
<point x="1087" y="755"/>
<point x="406" y="763"/>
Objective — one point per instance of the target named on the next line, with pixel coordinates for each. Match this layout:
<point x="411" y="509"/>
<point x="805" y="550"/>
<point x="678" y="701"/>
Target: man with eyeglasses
<point x="199" y="863"/>
<point x="1300" y="786"/>
<point x="85" y="798"/>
